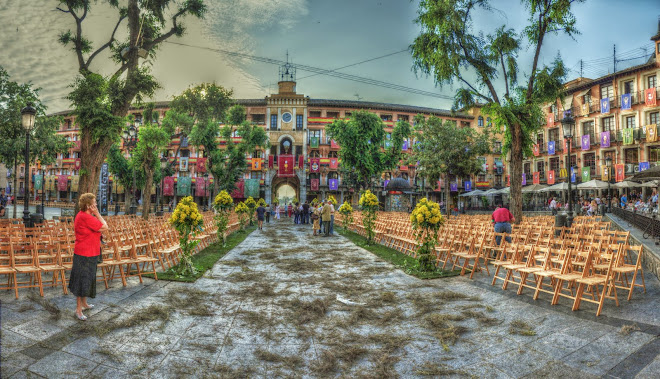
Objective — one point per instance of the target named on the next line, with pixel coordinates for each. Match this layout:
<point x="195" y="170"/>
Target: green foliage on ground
<point x="406" y="263"/>
<point x="205" y="259"/>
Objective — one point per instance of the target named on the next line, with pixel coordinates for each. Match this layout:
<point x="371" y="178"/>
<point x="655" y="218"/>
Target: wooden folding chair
<point x="7" y="267"/>
<point x="25" y="263"/>
<point x="622" y="269"/>
<point x="592" y="279"/>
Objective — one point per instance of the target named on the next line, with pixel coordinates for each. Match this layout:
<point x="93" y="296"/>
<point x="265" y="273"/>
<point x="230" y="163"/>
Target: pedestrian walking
<point x="315" y="221"/>
<point x="277" y="212"/>
<point x="305" y="207"/>
<point x="88" y="226"/>
<point x="502" y="222"/>
<point x="326" y="214"/>
<point x="553" y="206"/>
<point x="332" y="219"/>
<point x="267" y="213"/>
<point x="261" y="211"/>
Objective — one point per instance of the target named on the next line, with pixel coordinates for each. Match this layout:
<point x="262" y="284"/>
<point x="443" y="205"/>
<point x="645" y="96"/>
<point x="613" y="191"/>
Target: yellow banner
<point x="75" y="181"/>
<point x="604" y="174"/>
<point x="651" y="133"/>
<point x="153" y="189"/>
<point x="51" y="183"/>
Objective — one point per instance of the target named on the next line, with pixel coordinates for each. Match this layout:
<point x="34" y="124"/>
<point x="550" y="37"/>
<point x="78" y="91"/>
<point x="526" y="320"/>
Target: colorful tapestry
<point x="183" y="164"/>
<point x="536" y="178"/>
<point x="551" y="177"/>
<point x="271" y="161"/>
<point x="586" y="174"/>
<point x="651" y="133"/>
<point x="453" y="187"/>
<point x="201" y="187"/>
<point x="334" y="163"/>
<point x="38" y="182"/>
<point x="301" y="161"/>
<point x="256" y="164"/>
<point x="604" y="174"/>
<point x="168" y="186"/>
<point x="77" y="163"/>
<point x="551" y="148"/>
<point x="251" y="188"/>
<point x="628" y="136"/>
<point x="573" y="178"/>
<point x="585" y="110"/>
<point x="285" y="165"/>
<point x="333" y="184"/>
<point x="649" y="97"/>
<point x="586" y="142"/>
<point x="183" y="185"/>
<point x="238" y="192"/>
<point x="468" y="185"/>
<point x="620" y="173"/>
<point x="75" y="183"/>
<point x="605" y="105"/>
<point x="605" y="139"/>
<point x="63" y="183"/>
<point x="550" y="120"/>
<point x="333" y="144"/>
<point x="314" y="142"/>
<point x="626" y="101"/>
<point x="405" y="145"/>
<point x="314" y="164"/>
<point x="314" y="184"/>
<point x="535" y="150"/>
<point x="643" y="166"/>
<point x="201" y="165"/>
<point x="524" y="179"/>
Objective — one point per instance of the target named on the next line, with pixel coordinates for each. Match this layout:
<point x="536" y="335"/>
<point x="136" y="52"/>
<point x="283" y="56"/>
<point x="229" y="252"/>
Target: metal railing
<point x="642" y="221"/>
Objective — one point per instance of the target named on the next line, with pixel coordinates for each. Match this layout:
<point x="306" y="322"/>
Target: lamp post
<point x="163" y="166"/>
<point x="27" y="121"/>
<point x="567" y="124"/>
<point x="130" y="141"/>
<point x="206" y="177"/>
<point x="608" y="163"/>
<point x="43" y="192"/>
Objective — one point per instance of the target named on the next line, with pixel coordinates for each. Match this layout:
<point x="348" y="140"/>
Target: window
<point x="332" y="114"/>
<point x="259" y="118"/>
<point x="630" y="121"/>
<point x="588" y="128"/>
<point x="403" y="117"/>
<point x="527" y="169"/>
<point x="314" y="113"/>
<point x="348" y="114"/>
<point x="573" y="160"/>
<point x="314" y="134"/>
<point x="539" y="139"/>
<point x="553" y="134"/>
<point x="631" y="156"/>
<point x="628" y="87"/>
<point x="480" y="121"/>
<point x="497" y="147"/>
<point x="299" y="122"/>
<point x="273" y="152"/>
<point x="540" y="167"/>
<point x="273" y="122"/>
<point x="653" y="118"/>
<point x="255" y="175"/>
<point x="651" y="81"/>
<point x="654" y="154"/>
<point x="386" y="117"/>
<point x="553" y="109"/>
<point x="608" y="124"/>
<point x="607" y="91"/>
<point x="590" y="161"/>
<point x="465" y="124"/>
<point x="554" y="165"/>
<point x="586" y="99"/>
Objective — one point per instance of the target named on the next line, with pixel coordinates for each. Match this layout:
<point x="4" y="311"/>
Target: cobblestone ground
<point x="284" y="303"/>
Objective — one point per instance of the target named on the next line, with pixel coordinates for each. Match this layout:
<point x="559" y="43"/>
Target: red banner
<point x="301" y="161"/>
<point x="238" y="192"/>
<point x="62" y="183"/>
<point x="285" y="165"/>
<point x="620" y="173"/>
<point x="201" y="187"/>
<point x="315" y="184"/>
<point x="649" y="97"/>
<point x="565" y="145"/>
<point x="334" y="163"/>
<point x="550" y="120"/>
<point x="201" y="165"/>
<point x="168" y="186"/>
<point x="535" y="150"/>
<point x="77" y="164"/>
<point x="271" y="161"/>
<point x="551" y="177"/>
<point x="537" y="178"/>
<point x="333" y="144"/>
<point x="314" y="164"/>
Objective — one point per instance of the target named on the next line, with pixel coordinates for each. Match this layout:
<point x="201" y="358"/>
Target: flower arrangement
<point x="251" y="204"/>
<point x="242" y="211"/>
<point x="347" y="215"/>
<point x="261" y="203"/>
<point x="426" y="220"/>
<point x="222" y="204"/>
<point x="187" y="220"/>
<point x="369" y="204"/>
<point x="332" y="199"/>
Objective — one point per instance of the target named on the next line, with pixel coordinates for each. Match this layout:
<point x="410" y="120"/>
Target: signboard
<point x="103" y="190"/>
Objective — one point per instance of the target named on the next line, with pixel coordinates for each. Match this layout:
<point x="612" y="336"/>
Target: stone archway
<point x="283" y="188"/>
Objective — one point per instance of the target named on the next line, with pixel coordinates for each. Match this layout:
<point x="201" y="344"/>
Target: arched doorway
<point x="285" y="189"/>
<point x="285" y="193"/>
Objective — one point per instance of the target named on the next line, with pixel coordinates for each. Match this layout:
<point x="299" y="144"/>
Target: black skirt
<point x="82" y="281"/>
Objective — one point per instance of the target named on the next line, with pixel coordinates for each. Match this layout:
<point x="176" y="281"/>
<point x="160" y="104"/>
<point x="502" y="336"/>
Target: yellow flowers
<point x="426" y="215"/>
<point x="242" y="208"/>
<point x="261" y="203"/>
<point x="368" y="200"/>
<point x="250" y="203"/>
<point x="186" y="214"/>
<point x="223" y="201"/>
<point x="332" y="199"/>
<point x="345" y="208"/>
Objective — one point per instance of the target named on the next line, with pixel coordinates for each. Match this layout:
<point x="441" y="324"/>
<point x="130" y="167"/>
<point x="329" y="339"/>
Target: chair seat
<point x="51" y="267"/>
<point x="514" y="266"/>
<point x="592" y="280"/>
<point x="568" y="276"/>
<point x="7" y="270"/>
<point x="529" y="270"/>
<point x="623" y="270"/>
<point x="546" y="273"/>
<point x="27" y="269"/>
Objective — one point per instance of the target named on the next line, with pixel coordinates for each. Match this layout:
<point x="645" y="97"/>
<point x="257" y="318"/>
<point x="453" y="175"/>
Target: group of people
<point x="321" y="216"/>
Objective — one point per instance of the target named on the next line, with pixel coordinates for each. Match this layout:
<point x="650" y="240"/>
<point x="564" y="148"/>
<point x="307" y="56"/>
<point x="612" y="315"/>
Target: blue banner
<point x="573" y="179"/>
<point x="453" y="187"/>
<point x="468" y="185"/>
<point x="626" y="101"/>
<point x="643" y="166"/>
<point x="551" y="147"/>
<point x="605" y="105"/>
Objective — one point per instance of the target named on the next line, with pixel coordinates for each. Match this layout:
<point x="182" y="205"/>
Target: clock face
<point x="286" y="117"/>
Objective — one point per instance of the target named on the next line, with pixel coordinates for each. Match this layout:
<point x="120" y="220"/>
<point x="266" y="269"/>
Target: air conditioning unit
<point x="635" y="168"/>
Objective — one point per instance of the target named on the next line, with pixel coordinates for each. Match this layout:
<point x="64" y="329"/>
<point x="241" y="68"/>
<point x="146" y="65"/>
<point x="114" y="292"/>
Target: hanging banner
<point x="628" y="136"/>
<point x="649" y="97"/>
<point x="314" y="142"/>
<point x="573" y="178"/>
<point x="453" y="187"/>
<point x="314" y="184"/>
<point x="605" y="105"/>
<point x="551" y="177"/>
<point x="605" y="139"/>
<point x="75" y="183"/>
<point x="38" y="182"/>
<point x="620" y="173"/>
<point x="314" y="164"/>
<point x="201" y="187"/>
<point x="168" y="186"/>
<point x="535" y="150"/>
<point x="626" y="101"/>
<point x="334" y="163"/>
<point x="333" y="184"/>
<point x="102" y="196"/>
<point x="405" y="145"/>
<point x="271" y="161"/>
<point x="201" y="165"/>
<point x="550" y="120"/>
<point x="586" y="142"/>
<point x="301" y="162"/>
<point x="183" y="164"/>
<point x="333" y="144"/>
<point x="651" y="133"/>
<point x="604" y="176"/>
<point x="238" y="192"/>
<point x="467" y="185"/>
<point x="585" y="110"/>
<point x="251" y="188"/>
<point x="643" y="166"/>
<point x="565" y="145"/>
<point x="536" y="179"/>
<point x="285" y="165"/>
<point x="256" y="164"/>
<point x="76" y="164"/>
<point x="63" y="183"/>
<point x="524" y="179"/>
<point x="551" y="148"/>
<point x="183" y="185"/>
<point x="586" y="174"/>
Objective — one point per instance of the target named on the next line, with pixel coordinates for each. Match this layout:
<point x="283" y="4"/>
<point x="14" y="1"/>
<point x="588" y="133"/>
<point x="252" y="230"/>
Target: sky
<point x="325" y="34"/>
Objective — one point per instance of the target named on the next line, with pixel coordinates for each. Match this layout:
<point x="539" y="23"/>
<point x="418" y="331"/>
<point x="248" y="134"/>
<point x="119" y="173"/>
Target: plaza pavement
<point x="270" y="308"/>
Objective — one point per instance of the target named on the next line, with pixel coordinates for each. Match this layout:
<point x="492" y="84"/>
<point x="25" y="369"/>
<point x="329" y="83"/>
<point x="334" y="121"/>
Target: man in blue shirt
<point x="624" y="200"/>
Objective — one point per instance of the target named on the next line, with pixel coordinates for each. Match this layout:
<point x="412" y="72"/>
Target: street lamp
<point x="27" y="121"/>
<point x="567" y="124"/>
<point x="43" y="191"/>
<point x="130" y="141"/>
<point x="206" y="177"/>
<point x="608" y="163"/>
<point x="163" y="166"/>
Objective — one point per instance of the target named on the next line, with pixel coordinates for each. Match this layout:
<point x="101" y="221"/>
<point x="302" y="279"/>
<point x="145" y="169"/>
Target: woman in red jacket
<point x="88" y="227"/>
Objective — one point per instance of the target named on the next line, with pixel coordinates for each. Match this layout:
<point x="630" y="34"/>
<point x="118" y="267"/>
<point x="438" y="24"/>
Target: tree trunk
<point x="516" y="172"/>
<point x="146" y="201"/>
<point x="92" y="155"/>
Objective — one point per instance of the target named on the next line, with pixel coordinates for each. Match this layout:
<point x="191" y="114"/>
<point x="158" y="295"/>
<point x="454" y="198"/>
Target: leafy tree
<point x="100" y="104"/>
<point x="445" y="150"/>
<point x="452" y="52"/>
<point x="361" y="139"/>
<point x="45" y="144"/>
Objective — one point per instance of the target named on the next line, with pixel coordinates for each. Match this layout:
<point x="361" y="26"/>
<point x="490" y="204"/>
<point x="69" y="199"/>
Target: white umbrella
<point x="503" y="191"/>
<point x="627" y="184"/>
<point x="490" y="192"/>
<point x="593" y="184"/>
<point x="557" y="187"/>
<point x="534" y="188"/>
<point x="651" y="184"/>
<point x="473" y="193"/>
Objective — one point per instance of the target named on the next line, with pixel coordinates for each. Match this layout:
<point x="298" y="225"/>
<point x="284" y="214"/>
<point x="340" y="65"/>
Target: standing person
<point x="277" y="212"/>
<point x="502" y="222"/>
<point x="88" y="226"/>
<point x="296" y="213"/>
<point x="326" y="217"/>
<point x="289" y="209"/>
<point x="305" y="213"/>
<point x="267" y="213"/>
<point x="261" y="211"/>
<point x="553" y="206"/>
<point x="3" y="202"/>
<point x="332" y="219"/>
<point x="316" y="214"/>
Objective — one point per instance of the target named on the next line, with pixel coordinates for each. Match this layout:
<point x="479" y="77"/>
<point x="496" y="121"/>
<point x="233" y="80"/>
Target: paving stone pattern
<point x="270" y="308"/>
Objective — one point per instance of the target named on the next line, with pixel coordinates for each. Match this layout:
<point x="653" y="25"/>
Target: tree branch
<point x="474" y="90"/>
<point x="167" y="35"/>
<point x="506" y="79"/>
<point x="107" y="44"/>
<point x="62" y="10"/>
<point x="542" y="28"/>
<point x="78" y="40"/>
